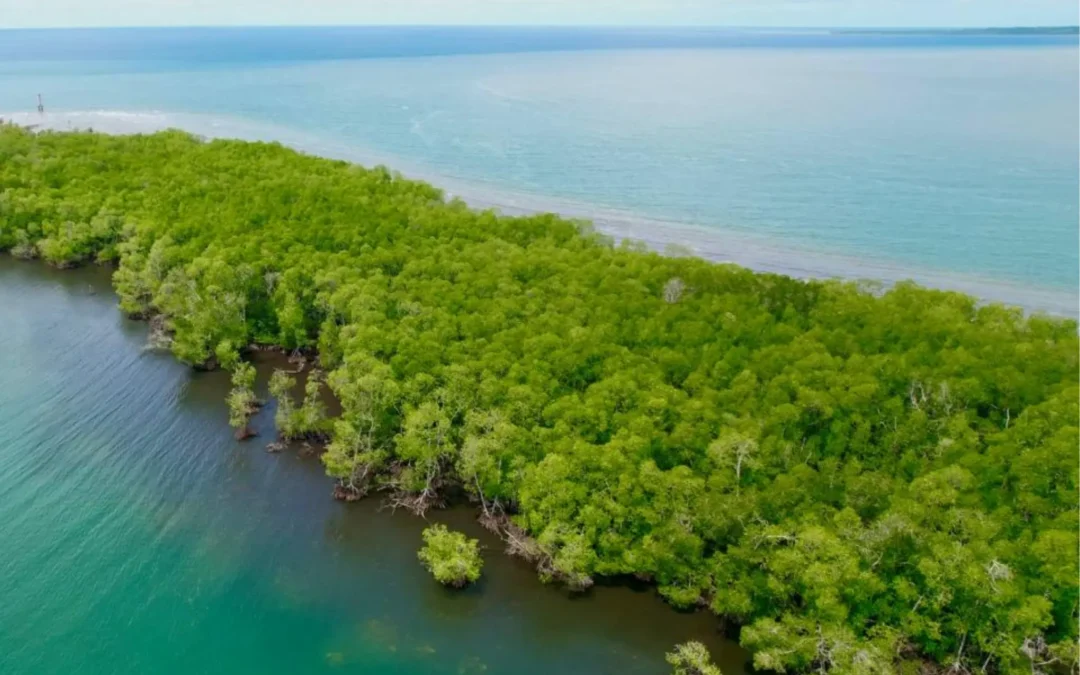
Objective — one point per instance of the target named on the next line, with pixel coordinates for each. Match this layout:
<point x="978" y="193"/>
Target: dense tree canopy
<point x="861" y="479"/>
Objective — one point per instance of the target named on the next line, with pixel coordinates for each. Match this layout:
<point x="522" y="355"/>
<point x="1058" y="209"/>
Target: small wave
<point x="499" y="95"/>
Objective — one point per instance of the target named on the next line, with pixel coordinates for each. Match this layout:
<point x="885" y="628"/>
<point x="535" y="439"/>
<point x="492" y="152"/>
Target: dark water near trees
<point x="138" y="536"/>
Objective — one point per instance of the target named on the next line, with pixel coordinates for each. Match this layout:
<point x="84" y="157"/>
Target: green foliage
<point x="452" y="559"/>
<point x="281" y="388"/>
<point x="311" y="416"/>
<point x="308" y="420"/>
<point x="241" y="400"/>
<point x="691" y="658"/>
<point x="857" y="478"/>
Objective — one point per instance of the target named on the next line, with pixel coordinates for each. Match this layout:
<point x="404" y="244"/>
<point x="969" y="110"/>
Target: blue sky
<point x="48" y="13"/>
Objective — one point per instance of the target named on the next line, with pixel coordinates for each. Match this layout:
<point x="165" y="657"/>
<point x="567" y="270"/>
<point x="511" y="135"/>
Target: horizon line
<point x="969" y="27"/>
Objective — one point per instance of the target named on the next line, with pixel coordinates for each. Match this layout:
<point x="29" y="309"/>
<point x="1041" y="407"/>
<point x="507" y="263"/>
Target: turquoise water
<point x="138" y="537"/>
<point x="950" y="159"/>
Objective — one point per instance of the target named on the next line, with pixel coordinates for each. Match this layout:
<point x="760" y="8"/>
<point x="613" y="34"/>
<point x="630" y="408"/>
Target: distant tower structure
<point x="40" y="105"/>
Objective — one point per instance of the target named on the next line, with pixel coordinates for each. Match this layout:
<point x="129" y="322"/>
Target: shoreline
<point x="518" y="546"/>
<point x="715" y="244"/>
<point x="420" y="374"/>
<point x="291" y="492"/>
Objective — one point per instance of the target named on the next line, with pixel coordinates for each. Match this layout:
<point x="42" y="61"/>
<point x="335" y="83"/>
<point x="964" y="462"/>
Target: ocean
<point x="949" y="157"/>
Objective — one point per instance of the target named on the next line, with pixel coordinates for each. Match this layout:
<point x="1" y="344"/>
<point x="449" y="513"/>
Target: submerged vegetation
<point x="864" y="481"/>
<point x="451" y="557"/>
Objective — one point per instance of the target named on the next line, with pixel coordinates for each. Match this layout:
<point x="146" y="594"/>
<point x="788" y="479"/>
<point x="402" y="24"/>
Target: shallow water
<point x="139" y="537"/>
<point x="947" y="159"/>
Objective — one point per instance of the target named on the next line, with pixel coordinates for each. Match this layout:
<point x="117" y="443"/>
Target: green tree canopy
<point x="691" y="658"/>
<point x="451" y="557"/>
<point x="857" y="478"/>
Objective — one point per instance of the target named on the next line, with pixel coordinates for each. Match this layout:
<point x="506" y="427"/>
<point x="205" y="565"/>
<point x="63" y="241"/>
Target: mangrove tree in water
<point x="691" y="658"/>
<point x="861" y="480"/>
<point x="451" y="557"/>
<point x="242" y="401"/>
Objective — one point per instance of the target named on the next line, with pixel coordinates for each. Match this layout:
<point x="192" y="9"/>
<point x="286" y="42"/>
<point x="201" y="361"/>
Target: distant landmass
<point x="1013" y="30"/>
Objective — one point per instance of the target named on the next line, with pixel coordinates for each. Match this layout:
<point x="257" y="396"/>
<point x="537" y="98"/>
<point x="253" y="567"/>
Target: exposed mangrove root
<point x="309" y="438"/>
<point x="519" y="544"/>
<point x="160" y="337"/>
<point x="348" y="493"/>
<point x="207" y="366"/>
<point x="24" y="251"/>
<point x="300" y="358"/>
<point x="417" y="503"/>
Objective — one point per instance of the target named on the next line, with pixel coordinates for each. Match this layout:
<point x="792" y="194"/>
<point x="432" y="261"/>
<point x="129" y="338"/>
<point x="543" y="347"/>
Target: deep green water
<point x="136" y="536"/>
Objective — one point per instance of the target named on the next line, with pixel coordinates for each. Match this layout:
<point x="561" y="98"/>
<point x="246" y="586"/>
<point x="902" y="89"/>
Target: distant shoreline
<point x="1004" y="30"/>
<point x="721" y="245"/>
<point x="909" y="30"/>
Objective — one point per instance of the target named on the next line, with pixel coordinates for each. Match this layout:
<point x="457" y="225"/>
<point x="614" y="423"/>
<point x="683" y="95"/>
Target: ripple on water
<point x="140" y="537"/>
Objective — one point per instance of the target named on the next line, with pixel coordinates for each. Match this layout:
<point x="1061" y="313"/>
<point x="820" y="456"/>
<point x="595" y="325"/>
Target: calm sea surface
<point x="949" y="158"/>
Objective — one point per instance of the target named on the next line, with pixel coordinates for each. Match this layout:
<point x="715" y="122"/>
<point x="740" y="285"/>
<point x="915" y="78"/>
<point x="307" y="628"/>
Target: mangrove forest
<point x="854" y="479"/>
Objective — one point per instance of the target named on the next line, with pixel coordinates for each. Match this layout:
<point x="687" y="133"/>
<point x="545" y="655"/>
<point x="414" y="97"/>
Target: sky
<point x="808" y="13"/>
